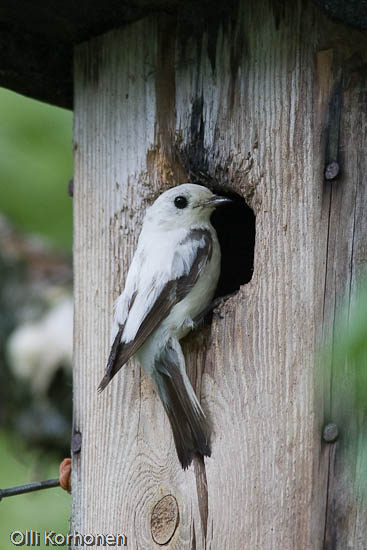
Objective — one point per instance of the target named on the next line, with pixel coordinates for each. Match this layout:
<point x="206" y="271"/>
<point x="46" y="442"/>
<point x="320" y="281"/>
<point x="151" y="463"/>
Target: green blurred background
<point x="35" y="167"/>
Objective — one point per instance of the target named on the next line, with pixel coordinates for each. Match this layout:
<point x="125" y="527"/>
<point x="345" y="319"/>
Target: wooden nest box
<point x="268" y="99"/>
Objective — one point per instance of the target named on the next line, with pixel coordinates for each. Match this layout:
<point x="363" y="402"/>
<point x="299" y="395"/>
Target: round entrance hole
<point x="235" y="224"/>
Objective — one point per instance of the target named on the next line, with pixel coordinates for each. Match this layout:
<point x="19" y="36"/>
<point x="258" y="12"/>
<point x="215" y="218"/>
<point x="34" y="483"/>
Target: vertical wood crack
<point x="326" y="503"/>
<point x="202" y="492"/>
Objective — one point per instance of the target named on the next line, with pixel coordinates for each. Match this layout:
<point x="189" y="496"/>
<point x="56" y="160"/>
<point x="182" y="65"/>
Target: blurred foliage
<point x="351" y="348"/>
<point x="348" y="391"/>
<point x="35" y="166"/>
<point x="27" y="295"/>
<point x="43" y="510"/>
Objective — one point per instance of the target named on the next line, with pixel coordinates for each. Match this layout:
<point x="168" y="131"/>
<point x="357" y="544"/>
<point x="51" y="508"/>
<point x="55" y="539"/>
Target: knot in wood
<point x="164" y="520"/>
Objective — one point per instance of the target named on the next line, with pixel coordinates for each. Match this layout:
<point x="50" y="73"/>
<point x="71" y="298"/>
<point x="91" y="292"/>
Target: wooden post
<point x="246" y="97"/>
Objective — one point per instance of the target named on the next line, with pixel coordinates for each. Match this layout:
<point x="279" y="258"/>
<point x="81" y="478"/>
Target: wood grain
<point x="246" y="99"/>
<point x="343" y="270"/>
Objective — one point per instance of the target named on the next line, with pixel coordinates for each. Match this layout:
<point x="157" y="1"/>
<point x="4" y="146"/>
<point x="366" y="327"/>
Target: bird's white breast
<point x="179" y="320"/>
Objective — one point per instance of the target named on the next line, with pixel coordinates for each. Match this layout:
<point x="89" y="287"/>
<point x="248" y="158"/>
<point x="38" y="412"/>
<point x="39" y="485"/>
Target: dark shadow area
<point x="235" y="224"/>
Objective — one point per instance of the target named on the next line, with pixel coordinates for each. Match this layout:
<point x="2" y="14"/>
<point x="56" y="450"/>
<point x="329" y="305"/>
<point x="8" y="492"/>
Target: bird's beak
<point x="215" y="201"/>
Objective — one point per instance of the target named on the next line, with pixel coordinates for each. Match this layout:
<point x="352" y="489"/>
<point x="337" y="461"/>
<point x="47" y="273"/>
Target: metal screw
<point x="330" y="432"/>
<point x="76" y="442"/>
<point x="332" y="170"/>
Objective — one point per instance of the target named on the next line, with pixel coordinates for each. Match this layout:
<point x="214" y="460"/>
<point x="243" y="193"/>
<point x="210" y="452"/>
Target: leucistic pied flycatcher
<point x="171" y="281"/>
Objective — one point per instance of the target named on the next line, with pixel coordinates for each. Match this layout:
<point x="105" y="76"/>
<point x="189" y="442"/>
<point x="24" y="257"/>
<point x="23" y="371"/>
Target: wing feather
<point x="172" y="292"/>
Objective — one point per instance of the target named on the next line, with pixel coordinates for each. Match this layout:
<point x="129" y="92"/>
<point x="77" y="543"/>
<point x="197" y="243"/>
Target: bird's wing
<point x="185" y="269"/>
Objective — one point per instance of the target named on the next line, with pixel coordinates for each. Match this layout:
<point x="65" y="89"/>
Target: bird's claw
<point x="213" y="307"/>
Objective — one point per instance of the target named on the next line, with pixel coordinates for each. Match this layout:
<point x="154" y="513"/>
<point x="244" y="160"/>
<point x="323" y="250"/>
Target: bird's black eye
<point x="180" y="202"/>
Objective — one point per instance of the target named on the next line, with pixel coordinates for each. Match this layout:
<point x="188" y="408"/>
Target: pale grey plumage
<point x="171" y="280"/>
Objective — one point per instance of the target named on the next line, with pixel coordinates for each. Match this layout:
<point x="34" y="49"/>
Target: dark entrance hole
<point x="235" y="227"/>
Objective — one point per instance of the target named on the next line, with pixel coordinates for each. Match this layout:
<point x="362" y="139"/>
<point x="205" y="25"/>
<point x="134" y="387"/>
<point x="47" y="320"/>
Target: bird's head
<point x="183" y="206"/>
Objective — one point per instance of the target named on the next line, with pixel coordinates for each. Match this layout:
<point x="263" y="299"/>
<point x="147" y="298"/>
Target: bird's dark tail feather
<point x="113" y="366"/>
<point x="191" y="431"/>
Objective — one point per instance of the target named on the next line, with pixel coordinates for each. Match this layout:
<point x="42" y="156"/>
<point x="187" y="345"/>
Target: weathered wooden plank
<point x="245" y="100"/>
<point x="344" y="227"/>
<point x="129" y="458"/>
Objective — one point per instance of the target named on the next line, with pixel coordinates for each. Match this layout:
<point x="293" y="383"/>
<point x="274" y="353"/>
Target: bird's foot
<point x="213" y="307"/>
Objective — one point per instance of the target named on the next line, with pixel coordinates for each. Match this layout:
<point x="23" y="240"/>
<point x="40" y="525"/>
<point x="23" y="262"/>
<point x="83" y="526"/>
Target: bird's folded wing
<point x="158" y="305"/>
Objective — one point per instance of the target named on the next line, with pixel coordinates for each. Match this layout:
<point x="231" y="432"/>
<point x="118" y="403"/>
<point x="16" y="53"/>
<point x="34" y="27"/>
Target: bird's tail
<point x="191" y="432"/>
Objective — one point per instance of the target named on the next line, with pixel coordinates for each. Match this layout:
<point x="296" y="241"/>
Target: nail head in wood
<point x="332" y="170"/>
<point x="330" y="433"/>
<point x="76" y="442"/>
<point x="164" y="520"/>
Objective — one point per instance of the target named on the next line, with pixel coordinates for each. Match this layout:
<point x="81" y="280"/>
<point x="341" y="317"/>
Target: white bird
<point x="37" y="350"/>
<point x="171" y="281"/>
